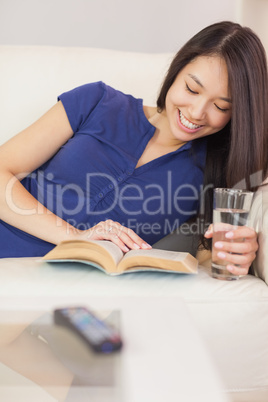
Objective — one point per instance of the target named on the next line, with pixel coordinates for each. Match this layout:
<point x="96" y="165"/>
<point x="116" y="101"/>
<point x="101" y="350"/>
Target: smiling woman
<point x="100" y="159"/>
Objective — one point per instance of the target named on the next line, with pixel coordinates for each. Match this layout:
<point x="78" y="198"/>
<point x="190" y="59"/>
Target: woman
<point x="98" y="164"/>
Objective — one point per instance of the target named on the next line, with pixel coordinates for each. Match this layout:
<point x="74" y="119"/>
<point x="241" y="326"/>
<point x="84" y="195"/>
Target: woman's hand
<point x="120" y="235"/>
<point x="239" y="249"/>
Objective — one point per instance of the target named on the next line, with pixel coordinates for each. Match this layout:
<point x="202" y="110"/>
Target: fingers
<point x="244" y="246"/>
<point x="238" y="233"/>
<point x="241" y="270"/>
<point x="244" y="260"/>
<point x="125" y="235"/>
<point x="122" y="236"/>
<point x="239" y="249"/>
<point x="242" y="240"/>
<point x="241" y="232"/>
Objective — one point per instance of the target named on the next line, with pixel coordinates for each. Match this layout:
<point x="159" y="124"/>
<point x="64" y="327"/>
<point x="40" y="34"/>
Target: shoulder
<point x="96" y="92"/>
<point x="92" y="89"/>
<point x="79" y="102"/>
<point x="93" y="100"/>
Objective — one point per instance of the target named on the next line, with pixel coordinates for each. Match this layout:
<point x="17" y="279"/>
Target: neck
<point x="163" y="135"/>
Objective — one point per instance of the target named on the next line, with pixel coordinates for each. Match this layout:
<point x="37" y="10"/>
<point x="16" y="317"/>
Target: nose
<point x="198" y="109"/>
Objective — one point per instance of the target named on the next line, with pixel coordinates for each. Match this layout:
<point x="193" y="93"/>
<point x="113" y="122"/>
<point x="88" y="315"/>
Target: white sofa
<point x="232" y="317"/>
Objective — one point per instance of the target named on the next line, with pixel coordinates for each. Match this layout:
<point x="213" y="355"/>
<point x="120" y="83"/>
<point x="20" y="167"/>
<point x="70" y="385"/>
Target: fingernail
<point x="229" y="235"/>
<point x="146" y="245"/>
<point x="136" y="246"/>
<point x="125" y="249"/>
<point x="221" y="254"/>
<point x="230" y="268"/>
<point x="218" y="244"/>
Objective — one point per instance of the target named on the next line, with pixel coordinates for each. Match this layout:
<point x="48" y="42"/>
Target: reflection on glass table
<point x="55" y="359"/>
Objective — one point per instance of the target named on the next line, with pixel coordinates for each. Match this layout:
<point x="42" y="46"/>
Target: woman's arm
<point x="23" y="154"/>
<point x="20" y="156"/>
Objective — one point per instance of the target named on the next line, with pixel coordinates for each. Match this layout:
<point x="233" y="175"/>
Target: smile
<point x="186" y="123"/>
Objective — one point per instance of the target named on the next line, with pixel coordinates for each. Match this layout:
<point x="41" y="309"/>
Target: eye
<point x="190" y="90"/>
<point x="222" y="110"/>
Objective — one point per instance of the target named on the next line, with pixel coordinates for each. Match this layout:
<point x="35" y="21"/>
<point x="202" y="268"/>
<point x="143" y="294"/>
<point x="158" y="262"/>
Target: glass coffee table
<point x="163" y="356"/>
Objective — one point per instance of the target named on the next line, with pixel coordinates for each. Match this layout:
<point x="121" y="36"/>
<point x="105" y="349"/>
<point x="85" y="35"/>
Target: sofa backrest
<point x="31" y="78"/>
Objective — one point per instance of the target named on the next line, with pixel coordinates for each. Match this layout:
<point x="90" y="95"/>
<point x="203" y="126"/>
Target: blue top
<point x="93" y="176"/>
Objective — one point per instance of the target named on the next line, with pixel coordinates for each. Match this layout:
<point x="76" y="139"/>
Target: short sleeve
<point x="81" y="101"/>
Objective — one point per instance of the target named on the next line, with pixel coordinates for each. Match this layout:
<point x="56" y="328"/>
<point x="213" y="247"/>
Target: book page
<point x="156" y="253"/>
<point x="159" y="259"/>
<point x="115" y="252"/>
<point x="102" y="252"/>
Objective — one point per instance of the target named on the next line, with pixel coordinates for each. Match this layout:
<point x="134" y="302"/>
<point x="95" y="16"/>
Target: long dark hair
<point x="238" y="152"/>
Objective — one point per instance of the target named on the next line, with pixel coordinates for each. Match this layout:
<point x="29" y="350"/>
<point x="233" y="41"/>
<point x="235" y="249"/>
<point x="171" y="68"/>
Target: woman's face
<point x="199" y="103"/>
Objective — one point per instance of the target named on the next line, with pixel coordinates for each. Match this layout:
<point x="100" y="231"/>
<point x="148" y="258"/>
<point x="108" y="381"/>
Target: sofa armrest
<point x="259" y="221"/>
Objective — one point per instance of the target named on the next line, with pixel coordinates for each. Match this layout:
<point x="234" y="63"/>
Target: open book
<point x="108" y="257"/>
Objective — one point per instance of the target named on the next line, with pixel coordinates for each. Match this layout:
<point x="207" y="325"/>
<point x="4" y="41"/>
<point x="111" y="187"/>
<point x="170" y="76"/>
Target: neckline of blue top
<point x="150" y="132"/>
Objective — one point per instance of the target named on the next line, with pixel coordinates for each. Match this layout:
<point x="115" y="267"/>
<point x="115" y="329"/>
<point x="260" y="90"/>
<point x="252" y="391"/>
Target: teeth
<point x="187" y="123"/>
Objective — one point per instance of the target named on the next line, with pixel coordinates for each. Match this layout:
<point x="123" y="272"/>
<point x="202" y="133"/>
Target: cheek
<point x="221" y="121"/>
<point x="169" y="101"/>
<point x="175" y="99"/>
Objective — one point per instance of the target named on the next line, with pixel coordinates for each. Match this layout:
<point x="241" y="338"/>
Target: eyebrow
<point x="194" y="77"/>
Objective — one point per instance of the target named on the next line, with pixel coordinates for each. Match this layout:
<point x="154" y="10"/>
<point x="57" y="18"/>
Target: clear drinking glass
<point x="230" y="209"/>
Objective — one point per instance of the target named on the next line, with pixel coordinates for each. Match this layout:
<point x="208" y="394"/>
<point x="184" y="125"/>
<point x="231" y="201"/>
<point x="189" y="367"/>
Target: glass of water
<point x="231" y="208"/>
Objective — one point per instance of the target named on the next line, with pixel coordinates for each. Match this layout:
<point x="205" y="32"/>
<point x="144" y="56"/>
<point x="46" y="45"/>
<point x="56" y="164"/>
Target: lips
<point x="186" y="124"/>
